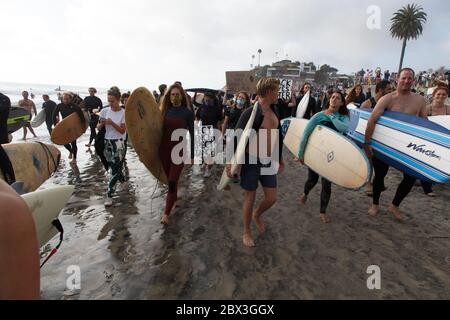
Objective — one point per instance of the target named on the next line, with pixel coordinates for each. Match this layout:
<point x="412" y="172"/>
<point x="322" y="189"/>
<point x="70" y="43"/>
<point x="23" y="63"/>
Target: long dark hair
<point x="343" y="108"/>
<point x="166" y="103"/>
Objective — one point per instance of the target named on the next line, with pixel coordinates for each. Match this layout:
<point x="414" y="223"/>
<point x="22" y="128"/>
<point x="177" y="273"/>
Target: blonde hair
<point x="265" y="85"/>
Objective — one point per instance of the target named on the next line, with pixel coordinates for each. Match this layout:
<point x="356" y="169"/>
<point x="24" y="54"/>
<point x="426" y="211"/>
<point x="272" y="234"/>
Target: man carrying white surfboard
<point x="260" y="170"/>
<point x="401" y="100"/>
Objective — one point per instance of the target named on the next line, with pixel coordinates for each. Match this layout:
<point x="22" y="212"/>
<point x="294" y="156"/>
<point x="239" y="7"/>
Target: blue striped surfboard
<point x="413" y="145"/>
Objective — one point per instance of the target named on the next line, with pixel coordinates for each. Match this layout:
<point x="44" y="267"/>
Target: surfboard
<point x="33" y="162"/>
<point x="303" y="105"/>
<point x="441" y="120"/>
<point x="199" y="98"/>
<point x="17" y="118"/>
<point x="329" y="154"/>
<point x="45" y="207"/>
<point x="39" y="119"/>
<point x="239" y="156"/>
<point x="413" y="145"/>
<point x="145" y="128"/>
<point x="69" y="129"/>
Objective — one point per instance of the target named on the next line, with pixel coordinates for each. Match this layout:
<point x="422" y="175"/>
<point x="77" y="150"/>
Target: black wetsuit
<point x="49" y="108"/>
<point x="92" y="103"/>
<point x="67" y="110"/>
<point x="5" y="164"/>
<point x="358" y="100"/>
<point x="233" y="115"/>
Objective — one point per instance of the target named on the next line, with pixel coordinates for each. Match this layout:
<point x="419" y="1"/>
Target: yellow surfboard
<point x="145" y="127"/>
<point x="69" y="129"/>
<point x="33" y="162"/>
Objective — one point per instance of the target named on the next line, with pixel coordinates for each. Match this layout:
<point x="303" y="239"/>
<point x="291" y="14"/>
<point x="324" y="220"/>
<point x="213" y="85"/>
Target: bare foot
<point x="396" y="212"/>
<point x="325" y="219"/>
<point x="259" y="224"/>
<point x="165" y="219"/>
<point x="374" y="210"/>
<point x="248" y="241"/>
<point x="303" y="199"/>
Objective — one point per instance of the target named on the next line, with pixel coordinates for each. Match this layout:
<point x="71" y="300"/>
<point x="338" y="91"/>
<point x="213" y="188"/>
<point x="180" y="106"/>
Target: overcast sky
<point x="140" y="42"/>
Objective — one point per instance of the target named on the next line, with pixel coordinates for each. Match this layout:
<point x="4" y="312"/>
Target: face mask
<point x="240" y="103"/>
<point x="176" y="101"/>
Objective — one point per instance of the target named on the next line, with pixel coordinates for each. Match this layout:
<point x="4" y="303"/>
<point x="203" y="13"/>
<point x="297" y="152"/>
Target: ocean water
<point x="14" y="91"/>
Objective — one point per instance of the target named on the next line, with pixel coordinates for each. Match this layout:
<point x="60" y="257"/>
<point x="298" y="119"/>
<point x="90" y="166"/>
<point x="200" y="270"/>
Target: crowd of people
<point x="108" y="133"/>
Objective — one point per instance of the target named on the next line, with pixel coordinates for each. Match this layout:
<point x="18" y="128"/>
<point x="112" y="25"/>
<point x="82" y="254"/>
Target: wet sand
<point x="124" y="253"/>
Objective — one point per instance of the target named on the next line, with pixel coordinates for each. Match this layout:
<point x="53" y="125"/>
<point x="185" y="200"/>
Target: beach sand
<point x="123" y="252"/>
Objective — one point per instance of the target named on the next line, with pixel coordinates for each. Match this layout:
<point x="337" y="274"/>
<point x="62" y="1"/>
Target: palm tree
<point x="407" y="23"/>
<point x="259" y="58"/>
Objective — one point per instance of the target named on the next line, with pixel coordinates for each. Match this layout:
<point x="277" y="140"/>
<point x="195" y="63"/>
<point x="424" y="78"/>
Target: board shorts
<point x="251" y="174"/>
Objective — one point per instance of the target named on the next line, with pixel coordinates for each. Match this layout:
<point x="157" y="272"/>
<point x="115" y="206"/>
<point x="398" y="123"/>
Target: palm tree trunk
<point x="402" y="56"/>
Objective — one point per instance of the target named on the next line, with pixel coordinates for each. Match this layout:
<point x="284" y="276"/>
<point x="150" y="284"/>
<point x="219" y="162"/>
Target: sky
<point x="145" y="42"/>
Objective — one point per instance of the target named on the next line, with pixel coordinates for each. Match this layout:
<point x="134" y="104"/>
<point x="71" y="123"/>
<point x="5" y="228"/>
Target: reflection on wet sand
<point x="125" y="253"/>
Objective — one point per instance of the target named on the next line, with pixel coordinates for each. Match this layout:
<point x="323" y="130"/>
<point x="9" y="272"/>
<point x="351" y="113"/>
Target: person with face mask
<point x="233" y="113"/>
<point x="176" y="115"/>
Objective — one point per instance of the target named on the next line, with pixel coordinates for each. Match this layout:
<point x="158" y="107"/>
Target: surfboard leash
<point x="57" y="224"/>
<point x="47" y="153"/>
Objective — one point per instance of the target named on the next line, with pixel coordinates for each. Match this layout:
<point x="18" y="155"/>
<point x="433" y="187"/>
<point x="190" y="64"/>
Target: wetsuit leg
<point x="325" y="195"/>
<point x="427" y="187"/>
<point x="381" y="169"/>
<point x="313" y="178"/>
<point x="403" y="189"/>
<point x="68" y="147"/>
<point x="49" y="124"/>
<point x="173" y="177"/>
<point x="93" y="125"/>
<point x="74" y="148"/>
<point x="6" y="167"/>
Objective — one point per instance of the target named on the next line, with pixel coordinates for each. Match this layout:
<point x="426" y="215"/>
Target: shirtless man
<point x="401" y="100"/>
<point x="19" y="248"/>
<point x="260" y="170"/>
<point x="31" y="107"/>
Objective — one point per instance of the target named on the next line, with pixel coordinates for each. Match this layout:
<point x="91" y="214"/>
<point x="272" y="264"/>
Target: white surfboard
<point x="441" y="120"/>
<point x="45" y="206"/>
<point x="330" y="154"/>
<point x="239" y="156"/>
<point x="351" y="106"/>
<point x="303" y="105"/>
<point x="39" y="119"/>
